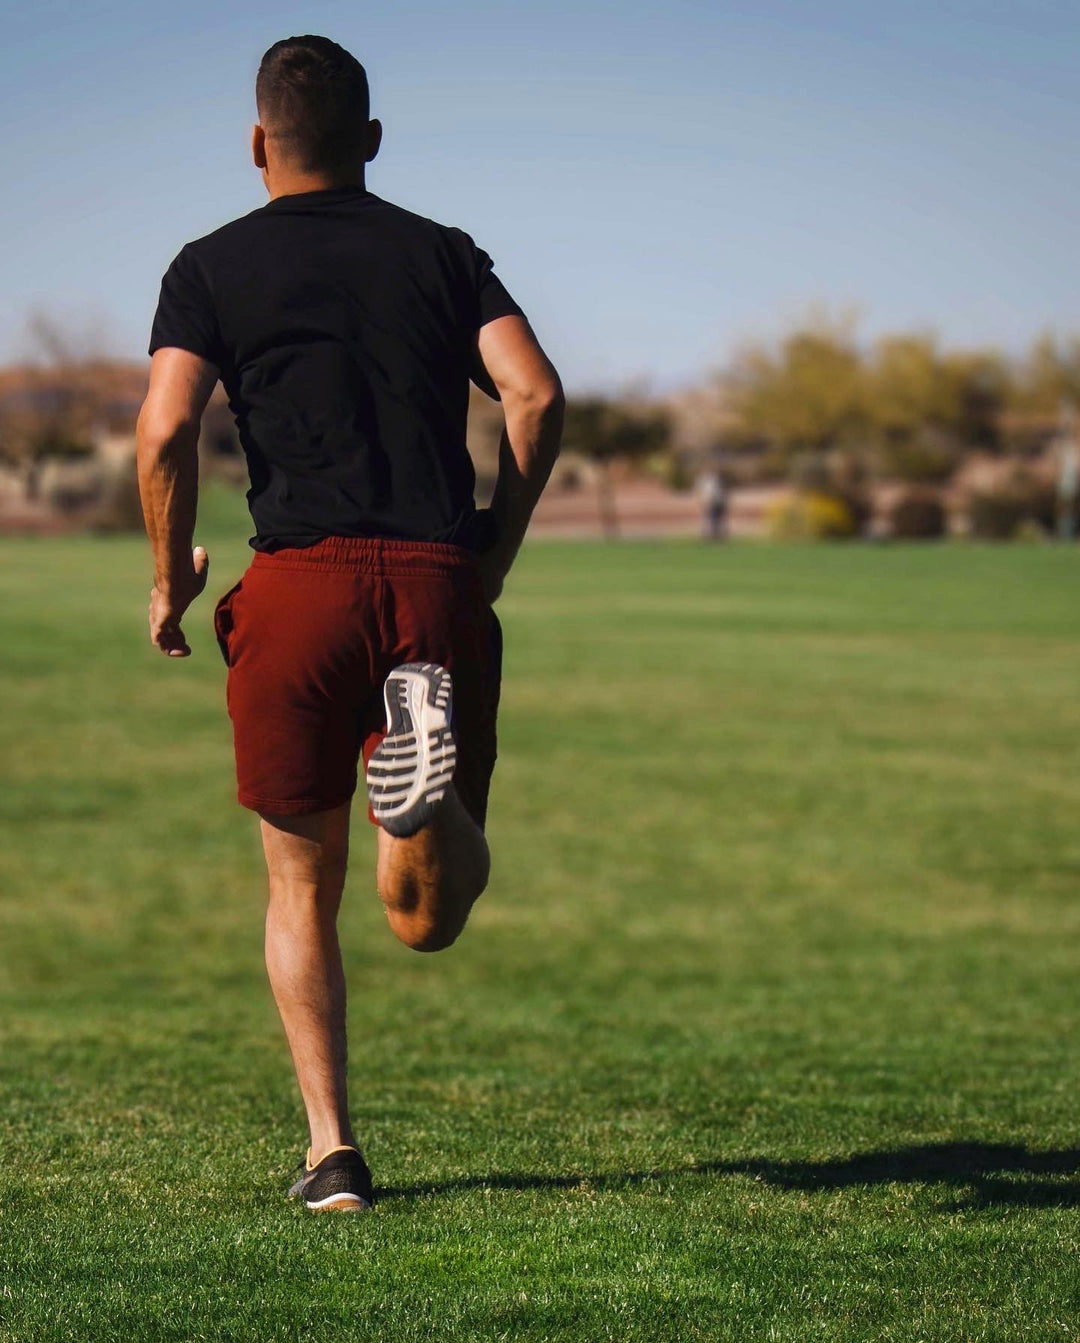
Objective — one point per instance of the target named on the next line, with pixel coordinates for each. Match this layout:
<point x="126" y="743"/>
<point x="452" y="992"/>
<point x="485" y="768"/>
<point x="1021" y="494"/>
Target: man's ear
<point x="258" y="146"/>
<point x="374" y="140"/>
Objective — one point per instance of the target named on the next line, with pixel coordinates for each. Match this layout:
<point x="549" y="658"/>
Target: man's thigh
<point x="300" y="669"/>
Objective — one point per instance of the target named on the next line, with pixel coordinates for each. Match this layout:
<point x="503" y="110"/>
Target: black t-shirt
<point x="342" y="327"/>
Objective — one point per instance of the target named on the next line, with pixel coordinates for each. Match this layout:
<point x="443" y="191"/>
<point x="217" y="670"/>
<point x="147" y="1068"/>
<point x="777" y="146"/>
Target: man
<point x="345" y="331"/>
<point x="714" y="503"/>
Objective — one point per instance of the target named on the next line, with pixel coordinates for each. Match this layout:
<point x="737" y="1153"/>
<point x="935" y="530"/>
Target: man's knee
<point x="428" y="917"/>
<point x="424" y="934"/>
<point x="290" y="885"/>
<point x="307" y="856"/>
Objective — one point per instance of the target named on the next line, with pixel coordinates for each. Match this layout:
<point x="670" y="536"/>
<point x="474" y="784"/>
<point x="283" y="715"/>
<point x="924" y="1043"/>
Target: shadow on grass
<point x="985" y="1174"/>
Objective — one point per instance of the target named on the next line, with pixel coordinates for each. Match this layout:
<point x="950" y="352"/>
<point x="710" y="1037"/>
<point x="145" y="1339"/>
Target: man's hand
<point x="493" y="569"/>
<point x="167" y="608"/>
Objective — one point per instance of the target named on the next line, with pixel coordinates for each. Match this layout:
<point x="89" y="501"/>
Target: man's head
<point x="314" y="113"/>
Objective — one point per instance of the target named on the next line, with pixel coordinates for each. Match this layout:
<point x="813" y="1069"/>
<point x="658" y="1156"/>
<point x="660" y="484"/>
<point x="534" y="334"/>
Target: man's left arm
<point x="167" y="441"/>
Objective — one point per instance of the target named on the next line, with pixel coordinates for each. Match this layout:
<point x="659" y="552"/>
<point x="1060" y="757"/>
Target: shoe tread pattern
<point x="407" y="777"/>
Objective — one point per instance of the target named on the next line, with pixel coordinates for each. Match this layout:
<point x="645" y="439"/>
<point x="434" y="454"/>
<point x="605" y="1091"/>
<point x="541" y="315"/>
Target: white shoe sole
<point x="412" y="767"/>
<point x="338" y="1203"/>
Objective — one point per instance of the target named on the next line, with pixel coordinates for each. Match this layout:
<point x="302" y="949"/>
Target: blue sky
<point x="655" y="182"/>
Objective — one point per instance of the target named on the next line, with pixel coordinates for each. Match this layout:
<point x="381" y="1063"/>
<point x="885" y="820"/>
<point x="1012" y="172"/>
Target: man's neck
<point x="296" y="183"/>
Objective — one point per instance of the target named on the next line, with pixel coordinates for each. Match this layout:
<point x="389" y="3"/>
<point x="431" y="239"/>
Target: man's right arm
<point x="167" y="454"/>
<point x="533" y="404"/>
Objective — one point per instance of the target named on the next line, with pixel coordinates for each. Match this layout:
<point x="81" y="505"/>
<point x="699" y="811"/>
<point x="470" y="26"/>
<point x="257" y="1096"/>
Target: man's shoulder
<point x="412" y="222"/>
<point x="235" y="233"/>
<point x="244" y="231"/>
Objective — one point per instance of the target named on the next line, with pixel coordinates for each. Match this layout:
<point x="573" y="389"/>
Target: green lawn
<point x="766" y="1029"/>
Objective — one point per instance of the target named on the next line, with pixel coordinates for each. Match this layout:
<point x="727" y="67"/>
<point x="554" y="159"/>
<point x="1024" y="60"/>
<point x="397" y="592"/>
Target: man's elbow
<point x="550" y="396"/>
<point x="158" y="434"/>
<point x="541" y="398"/>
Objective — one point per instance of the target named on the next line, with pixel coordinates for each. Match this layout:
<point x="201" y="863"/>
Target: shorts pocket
<point x="223" y="620"/>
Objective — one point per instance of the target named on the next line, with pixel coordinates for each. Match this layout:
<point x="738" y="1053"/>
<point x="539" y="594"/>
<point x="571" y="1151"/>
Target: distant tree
<point x="807" y="394"/>
<point x="1048" y="376"/>
<point x="912" y="408"/>
<point x="918" y="408"/>
<point x="927" y="407"/>
<point x="606" y="430"/>
<point x="58" y="401"/>
<point x="906" y="386"/>
<point x="978" y="386"/>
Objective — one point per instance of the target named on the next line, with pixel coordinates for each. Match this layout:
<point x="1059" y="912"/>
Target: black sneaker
<point x="340" y="1182"/>
<point x="412" y="766"/>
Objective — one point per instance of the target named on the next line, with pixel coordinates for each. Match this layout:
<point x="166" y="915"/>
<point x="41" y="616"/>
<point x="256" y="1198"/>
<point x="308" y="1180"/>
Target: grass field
<point x="767" y="1028"/>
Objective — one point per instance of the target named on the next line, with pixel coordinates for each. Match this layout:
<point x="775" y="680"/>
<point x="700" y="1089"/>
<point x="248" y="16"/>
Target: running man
<point x="345" y="331"/>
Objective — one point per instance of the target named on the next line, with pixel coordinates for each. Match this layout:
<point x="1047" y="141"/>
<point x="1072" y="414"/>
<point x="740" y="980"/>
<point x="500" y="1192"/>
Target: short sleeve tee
<point x="343" y="329"/>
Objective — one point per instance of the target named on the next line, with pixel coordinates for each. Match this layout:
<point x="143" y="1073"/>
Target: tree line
<point x="903" y="403"/>
<point x="904" y="400"/>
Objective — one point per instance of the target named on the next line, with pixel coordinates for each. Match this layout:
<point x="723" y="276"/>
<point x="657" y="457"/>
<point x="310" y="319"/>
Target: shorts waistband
<point x="369" y="554"/>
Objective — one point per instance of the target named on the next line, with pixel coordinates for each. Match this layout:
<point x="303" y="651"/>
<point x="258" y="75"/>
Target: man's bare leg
<point x="430" y="880"/>
<point x="306" y="858"/>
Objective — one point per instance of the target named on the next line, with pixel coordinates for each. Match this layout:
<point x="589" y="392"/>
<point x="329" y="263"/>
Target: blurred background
<point x="814" y="259"/>
<point x="767" y="1027"/>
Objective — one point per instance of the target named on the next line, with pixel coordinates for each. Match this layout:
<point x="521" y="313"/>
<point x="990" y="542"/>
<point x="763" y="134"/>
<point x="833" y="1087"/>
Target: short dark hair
<point x="313" y="96"/>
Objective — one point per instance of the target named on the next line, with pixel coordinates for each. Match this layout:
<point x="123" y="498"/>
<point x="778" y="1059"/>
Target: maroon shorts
<point x="309" y="636"/>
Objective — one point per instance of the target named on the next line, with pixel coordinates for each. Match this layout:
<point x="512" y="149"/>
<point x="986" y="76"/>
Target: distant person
<point x="714" y="501"/>
<point x="345" y="330"/>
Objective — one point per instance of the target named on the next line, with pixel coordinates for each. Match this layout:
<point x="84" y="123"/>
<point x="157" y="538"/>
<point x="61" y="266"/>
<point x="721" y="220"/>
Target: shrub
<point x="810" y="516"/>
<point x="917" y="515"/>
<point x="1032" y="532"/>
<point x="997" y="515"/>
<point x="857" y="503"/>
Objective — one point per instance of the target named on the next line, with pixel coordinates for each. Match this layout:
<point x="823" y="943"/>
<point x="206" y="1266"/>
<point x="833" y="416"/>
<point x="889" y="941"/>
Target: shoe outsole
<point x="411" y="769"/>
<point x="338" y="1203"/>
